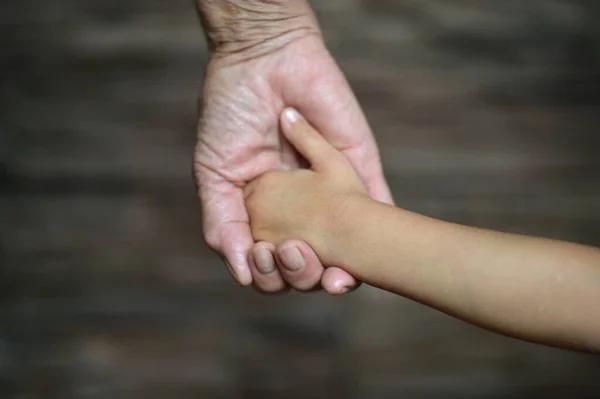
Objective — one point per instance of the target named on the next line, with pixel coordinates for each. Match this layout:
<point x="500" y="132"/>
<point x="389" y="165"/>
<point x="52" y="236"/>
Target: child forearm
<point x="535" y="289"/>
<point x="540" y="290"/>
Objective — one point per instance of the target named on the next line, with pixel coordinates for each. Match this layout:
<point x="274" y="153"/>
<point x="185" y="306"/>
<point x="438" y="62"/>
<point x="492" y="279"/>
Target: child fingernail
<point x="292" y="115"/>
<point x="263" y="259"/>
<point x="292" y="259"/>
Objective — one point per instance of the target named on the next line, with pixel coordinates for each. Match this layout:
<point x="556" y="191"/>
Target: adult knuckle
<point x="305" y="285"/>
<point x="270" y="287"/>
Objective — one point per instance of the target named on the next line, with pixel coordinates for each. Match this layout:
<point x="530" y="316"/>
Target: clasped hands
<point x="239" y="139"/>
<point x="309" y="204"/>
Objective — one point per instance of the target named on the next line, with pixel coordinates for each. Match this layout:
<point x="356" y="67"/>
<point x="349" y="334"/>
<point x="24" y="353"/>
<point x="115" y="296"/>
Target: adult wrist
<point x="241" y="30"/>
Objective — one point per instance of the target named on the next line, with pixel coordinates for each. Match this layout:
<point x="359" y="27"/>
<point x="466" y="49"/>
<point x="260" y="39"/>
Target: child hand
<point x="306" y="204"/>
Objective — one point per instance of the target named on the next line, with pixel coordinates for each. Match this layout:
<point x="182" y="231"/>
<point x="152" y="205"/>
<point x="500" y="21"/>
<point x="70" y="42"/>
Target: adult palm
<point x="239" y="139"/>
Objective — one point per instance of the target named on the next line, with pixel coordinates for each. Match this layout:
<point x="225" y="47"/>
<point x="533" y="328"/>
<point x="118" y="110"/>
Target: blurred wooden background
<point x="487" y="113"/>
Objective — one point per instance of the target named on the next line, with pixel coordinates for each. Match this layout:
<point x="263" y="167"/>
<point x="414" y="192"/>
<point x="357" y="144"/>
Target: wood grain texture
<point x="487" y="113"/>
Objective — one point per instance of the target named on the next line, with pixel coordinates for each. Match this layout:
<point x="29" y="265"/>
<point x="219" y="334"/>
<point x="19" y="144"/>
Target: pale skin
<point x="535" y="289"/>
<point x="266" y="55"/>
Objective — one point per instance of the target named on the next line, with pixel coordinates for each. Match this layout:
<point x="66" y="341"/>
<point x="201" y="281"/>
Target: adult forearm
<point x="246" y="29"/>
<point x="535" y="289"/>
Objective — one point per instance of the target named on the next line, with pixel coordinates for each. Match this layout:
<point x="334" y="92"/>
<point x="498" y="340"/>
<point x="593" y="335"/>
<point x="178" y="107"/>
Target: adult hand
<point x="265" y="56"/>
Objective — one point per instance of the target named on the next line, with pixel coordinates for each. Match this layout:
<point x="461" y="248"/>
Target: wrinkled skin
<point x="239" y="139"/>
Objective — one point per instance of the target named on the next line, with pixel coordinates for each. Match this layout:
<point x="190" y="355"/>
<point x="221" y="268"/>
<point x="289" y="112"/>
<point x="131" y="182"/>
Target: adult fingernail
<point x="292" y="259"/>
<point x="292" y="115"/>
<point x="339" y="288"/>
<point x="344" y="290"/>
<point x="263" y="259"/>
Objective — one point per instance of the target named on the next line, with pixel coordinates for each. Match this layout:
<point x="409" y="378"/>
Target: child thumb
<point x="309" y="143"/>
